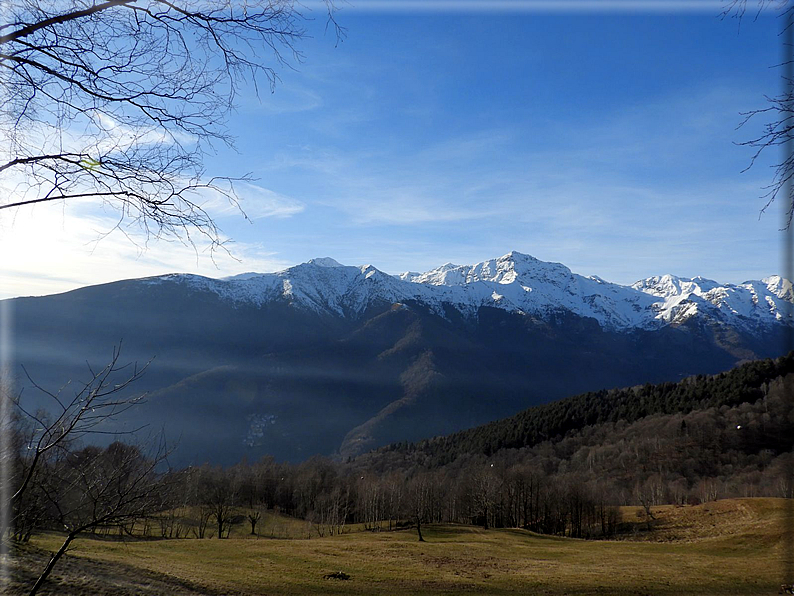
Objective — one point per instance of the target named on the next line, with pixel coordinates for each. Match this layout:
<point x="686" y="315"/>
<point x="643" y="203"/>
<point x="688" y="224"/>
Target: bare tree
<point x="417" y="502"/>
<point x="66" y="417"/>
<point x="57" y="484"/>
<point x="95" y="487"/>
<point x="253" y="518"/>
<point x="393" y="487"/>
<point x="203" y="521"/>
<point x="484" y="491"/>
<point x="218" y="492"/>
<point x="120" y="101"/>
<point x="778" y="129"/>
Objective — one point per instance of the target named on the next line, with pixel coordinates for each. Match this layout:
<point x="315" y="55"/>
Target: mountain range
<point x="515" y="282"/>
<point x="333" y="359"/>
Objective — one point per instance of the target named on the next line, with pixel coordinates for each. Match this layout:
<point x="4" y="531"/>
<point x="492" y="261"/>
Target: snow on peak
<point x="324" y="262"/>
<point x="504" y="270"/>
<point x="746" y="304"/>
<point x="408" y="275"/>
<point x="522" y="283"/>
<point x="241" y="276"/>
<point x="780" y="287"/>
<point x="515" y="282"/>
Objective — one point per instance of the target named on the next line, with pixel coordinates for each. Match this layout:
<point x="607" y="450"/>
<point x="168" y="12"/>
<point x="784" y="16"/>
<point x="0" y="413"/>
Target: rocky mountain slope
<point x="515" y="282"/>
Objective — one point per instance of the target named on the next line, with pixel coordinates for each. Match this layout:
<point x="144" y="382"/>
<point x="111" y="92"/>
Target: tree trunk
<point x="53" y="560"/>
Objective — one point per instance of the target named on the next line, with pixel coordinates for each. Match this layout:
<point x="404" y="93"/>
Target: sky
<point x="606" y="139"/>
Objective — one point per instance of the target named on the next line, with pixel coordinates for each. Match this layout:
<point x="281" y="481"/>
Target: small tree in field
<point x="55" y="483"/>
<point x="100" y="488"/>
<point x="418" y="502"/>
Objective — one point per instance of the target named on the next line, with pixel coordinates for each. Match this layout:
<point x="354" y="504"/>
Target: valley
<point x="670" y="488"/>
<point x="340" y="419"/>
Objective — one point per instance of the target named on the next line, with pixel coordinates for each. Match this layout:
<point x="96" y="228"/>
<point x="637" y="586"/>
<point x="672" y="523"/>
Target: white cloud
<point x="115" y="136"/>
<point x="54" y="248"/>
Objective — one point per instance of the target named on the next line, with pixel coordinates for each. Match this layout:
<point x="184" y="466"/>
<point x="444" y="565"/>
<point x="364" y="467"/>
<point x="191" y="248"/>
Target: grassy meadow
<point x="727" y="547"/>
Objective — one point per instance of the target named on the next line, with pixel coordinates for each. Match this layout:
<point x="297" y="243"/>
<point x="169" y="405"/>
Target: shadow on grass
<point x="76" y="575"/>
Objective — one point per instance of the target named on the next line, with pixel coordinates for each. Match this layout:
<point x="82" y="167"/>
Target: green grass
<point x="746" y="561"/>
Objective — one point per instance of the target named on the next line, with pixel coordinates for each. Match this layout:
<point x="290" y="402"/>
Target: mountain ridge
<point x="515" y="282"/>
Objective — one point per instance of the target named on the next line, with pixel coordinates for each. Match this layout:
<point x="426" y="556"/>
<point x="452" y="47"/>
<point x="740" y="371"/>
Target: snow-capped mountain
<point x="750" y="303"/>
<point x="515" y="282"/>
<point x="328" y="358"/>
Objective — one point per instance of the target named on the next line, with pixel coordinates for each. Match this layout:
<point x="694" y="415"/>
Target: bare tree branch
<point x="778" y="128"/>
<point x="97" y="401"/>
<point x="123" y="100"/>
<point x="32" y="28"/>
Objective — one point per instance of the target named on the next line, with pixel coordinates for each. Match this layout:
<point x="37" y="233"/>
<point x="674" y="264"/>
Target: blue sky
<point x="605" y="141"/>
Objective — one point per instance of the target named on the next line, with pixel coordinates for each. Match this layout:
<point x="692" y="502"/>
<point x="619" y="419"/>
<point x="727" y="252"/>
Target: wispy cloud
<point x="657" y="181"/>
<point x="255" y="201"/>
<point x="290" y="98"/>
<point x="50" y="250"/>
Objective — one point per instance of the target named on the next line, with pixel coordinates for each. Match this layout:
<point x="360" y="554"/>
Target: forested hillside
<point x="559" y="469"/>
<point x="551" y="422"/>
